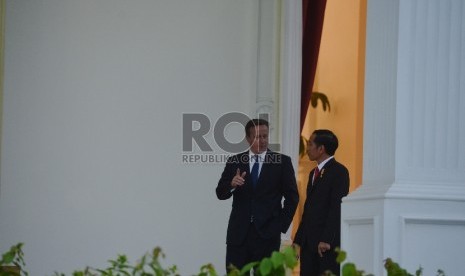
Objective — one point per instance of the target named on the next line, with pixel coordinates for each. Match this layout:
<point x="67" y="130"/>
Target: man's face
<point x="258" y="138"/>
<point x="314" y="151"/>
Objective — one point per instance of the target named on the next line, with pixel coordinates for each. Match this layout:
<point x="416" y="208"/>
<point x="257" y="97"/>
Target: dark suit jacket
<point x="321" y="219"/>
<point x="264" y="202"/>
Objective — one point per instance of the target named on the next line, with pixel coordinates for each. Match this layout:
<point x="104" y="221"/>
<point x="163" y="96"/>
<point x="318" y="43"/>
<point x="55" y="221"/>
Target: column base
<point x="412" y="224"/>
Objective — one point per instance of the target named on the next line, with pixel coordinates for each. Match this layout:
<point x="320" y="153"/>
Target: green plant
<point x="392" y="268"/>
<point x="314" y="99"/>
<point x="12" y="262"/>
<point x="322" y="97"/>
<point x="275" y="265"/>
<point x="150" y="265"/>
<point x="348" y="269"/>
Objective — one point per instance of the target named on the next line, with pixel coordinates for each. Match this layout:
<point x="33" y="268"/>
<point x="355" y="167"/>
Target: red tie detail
<point x="316" y="173"/>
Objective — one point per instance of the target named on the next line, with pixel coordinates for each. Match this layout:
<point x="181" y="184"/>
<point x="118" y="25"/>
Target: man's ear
<point x="322" y="148"/>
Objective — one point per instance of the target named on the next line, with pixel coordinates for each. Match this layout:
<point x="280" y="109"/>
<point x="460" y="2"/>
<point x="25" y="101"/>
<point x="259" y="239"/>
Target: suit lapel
<point x="245" y="167"/>
<point x="319" y="179"/>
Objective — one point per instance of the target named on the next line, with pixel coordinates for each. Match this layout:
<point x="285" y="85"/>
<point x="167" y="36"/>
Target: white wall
<point x="92" y="133"/>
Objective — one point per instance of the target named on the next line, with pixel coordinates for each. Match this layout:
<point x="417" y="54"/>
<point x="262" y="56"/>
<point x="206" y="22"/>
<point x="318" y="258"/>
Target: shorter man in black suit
<point x="258" y="180"/>
<point x="319" y="232"/>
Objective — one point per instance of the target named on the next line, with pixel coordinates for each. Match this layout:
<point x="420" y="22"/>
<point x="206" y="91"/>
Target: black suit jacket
<point x="321" y="219"/>
<point x="264" y="202"/>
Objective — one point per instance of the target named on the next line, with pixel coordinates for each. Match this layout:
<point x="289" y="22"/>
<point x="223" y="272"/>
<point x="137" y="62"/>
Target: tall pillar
<point x="290" y="84"/>
<point x="279" y="54"/>
<point x="411" y="204"/>
<point x="2" y="36"/>
<point x="268" y="55"/>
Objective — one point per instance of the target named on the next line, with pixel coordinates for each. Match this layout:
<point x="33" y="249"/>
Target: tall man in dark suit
<point x="319" y="232"/>
<point x="258" y="180"/>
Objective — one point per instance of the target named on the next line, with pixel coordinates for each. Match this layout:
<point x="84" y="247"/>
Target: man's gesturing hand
<point x="238" y="179"/>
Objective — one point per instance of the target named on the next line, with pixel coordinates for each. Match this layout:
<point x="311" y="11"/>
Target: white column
<point x="411" y="206"/>
<point x="279" y="71"/>
<point x="291" y="75"/>
<point x="279" y="74"/>
<point x="268" y="53"/>
<point x="290" y="84"/>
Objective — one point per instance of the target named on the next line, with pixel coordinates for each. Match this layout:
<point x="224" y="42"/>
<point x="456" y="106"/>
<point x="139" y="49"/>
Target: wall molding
<point x="375" y="222"/>
<point x="406" y="220"/>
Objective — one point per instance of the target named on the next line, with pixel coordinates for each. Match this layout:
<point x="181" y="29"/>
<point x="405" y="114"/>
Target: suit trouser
<point x="254" y="248"/>
<point x="311" y="264"/>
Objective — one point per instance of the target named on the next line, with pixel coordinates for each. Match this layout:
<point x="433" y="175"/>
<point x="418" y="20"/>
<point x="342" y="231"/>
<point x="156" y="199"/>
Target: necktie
<point x="316" y="173"/>
<point x="254" y="172"/>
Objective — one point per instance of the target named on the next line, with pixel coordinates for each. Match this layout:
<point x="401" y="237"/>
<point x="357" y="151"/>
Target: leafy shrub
<point x="12" y="264"/>
<point x="150" y="265"/>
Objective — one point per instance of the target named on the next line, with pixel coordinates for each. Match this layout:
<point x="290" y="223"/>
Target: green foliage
<point x="12" y="262"/>
<point x="315" y="97"/>
<point x="392" y="268"/>
<point x="149" y="265"/>
<point x="322" y="97"/>
<point x="275" y="265"/>
<point x="348" y="269"/>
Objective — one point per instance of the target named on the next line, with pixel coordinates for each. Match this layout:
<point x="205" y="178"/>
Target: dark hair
<point x="326" y="138"/>
<point x="253" y="123"/>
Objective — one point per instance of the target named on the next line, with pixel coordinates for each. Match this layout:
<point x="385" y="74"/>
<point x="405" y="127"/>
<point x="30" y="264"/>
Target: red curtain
<point x="312" y="19"/>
